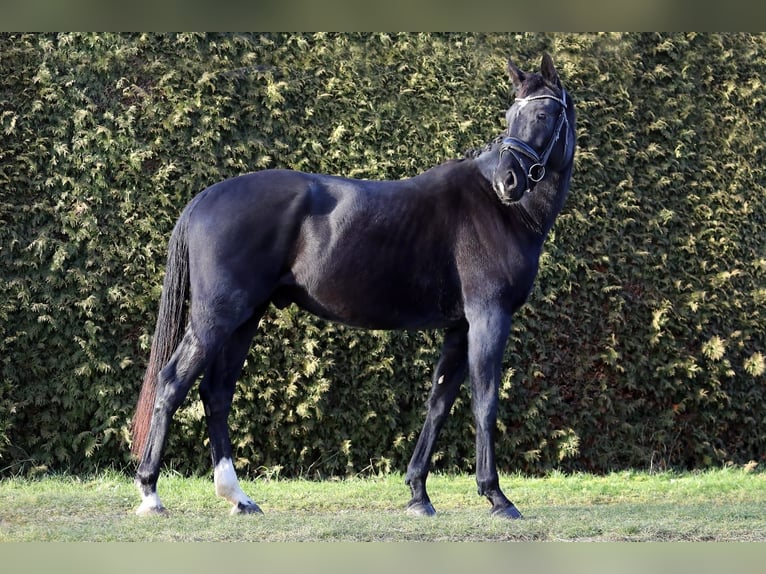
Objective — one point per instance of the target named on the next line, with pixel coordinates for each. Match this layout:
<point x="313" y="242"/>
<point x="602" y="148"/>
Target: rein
<point x="515" y="146"/>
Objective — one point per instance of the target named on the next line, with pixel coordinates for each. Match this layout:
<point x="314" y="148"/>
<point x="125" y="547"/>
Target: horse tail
<point x="171" y="324"/>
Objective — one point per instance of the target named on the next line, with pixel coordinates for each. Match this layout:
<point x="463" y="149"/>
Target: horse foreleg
<point x="217" y="391"/>
<point x="487" y="335"/>
<point x="449" y="373"/>
<point x="175" y="380"/>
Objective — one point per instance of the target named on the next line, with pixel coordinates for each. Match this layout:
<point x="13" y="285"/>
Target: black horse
<point x="456" y="247"/>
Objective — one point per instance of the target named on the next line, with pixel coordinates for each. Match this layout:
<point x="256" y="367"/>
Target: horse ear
<point x="516" y="75"/>
<point x="548" y="71"/>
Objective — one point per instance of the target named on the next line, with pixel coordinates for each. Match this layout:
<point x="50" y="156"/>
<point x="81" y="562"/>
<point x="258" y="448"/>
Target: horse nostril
<point x="505" y="185"/>
<point x="510" y="181"/>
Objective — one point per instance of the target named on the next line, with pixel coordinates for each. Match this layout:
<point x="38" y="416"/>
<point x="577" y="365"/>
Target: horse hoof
<point x="151" y="511"/>
<point x="420" y="509"/>
<point x="510" y="512"/>
<point x="246" y="508"/>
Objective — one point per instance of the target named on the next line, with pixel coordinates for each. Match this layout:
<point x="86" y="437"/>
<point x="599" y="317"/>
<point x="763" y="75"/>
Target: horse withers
<point x="455" y="248"/>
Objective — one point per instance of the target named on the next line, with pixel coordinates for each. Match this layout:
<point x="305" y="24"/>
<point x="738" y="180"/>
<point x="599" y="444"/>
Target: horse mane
<point x="473" y="153"/>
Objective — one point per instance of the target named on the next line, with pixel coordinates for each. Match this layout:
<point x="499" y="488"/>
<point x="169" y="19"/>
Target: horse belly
<point x="375" y="296"/>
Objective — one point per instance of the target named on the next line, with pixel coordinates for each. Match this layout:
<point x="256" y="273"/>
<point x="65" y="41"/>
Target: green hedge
<point x="641" y="346"/>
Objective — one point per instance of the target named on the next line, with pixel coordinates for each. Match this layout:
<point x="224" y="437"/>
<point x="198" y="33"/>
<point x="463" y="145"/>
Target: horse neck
<point x="543" y="204"/>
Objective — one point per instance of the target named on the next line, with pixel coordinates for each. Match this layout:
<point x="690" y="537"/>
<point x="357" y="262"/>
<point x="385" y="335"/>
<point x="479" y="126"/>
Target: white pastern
<point x="150" y="504"/>
<point x="227" y="485"/>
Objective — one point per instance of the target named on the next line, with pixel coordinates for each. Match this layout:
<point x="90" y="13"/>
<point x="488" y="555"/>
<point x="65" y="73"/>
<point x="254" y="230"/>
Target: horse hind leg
<point x="175" y="380"/>
<point x="217" y="390"/>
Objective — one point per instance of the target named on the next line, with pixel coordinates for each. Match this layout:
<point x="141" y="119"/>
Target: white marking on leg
<point x="150" y="504"/>
<point x="227" y="485"/>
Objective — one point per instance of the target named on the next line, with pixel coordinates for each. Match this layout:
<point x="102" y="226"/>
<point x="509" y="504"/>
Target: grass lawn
<point x="719" y="505"/>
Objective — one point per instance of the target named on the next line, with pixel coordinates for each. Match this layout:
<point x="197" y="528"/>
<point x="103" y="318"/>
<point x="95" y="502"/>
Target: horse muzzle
<point x="510" y="183"/>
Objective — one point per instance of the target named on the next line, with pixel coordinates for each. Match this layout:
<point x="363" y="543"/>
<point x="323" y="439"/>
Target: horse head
<point x="538" y="136"/>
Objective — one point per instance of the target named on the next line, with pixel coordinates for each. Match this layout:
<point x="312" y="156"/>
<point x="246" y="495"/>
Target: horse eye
<point x="541" y="116"/>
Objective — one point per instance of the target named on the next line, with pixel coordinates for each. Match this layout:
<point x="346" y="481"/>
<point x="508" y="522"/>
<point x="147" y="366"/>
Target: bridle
<point x="518" y="148"/>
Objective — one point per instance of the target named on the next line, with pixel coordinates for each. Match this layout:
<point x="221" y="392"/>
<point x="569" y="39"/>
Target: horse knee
<point x="484" y="410"/>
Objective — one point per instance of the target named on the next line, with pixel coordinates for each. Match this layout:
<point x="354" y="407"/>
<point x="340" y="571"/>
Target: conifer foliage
<point x="642" y="344"/>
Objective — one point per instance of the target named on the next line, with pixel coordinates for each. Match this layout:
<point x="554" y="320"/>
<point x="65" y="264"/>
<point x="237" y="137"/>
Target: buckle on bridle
<point x="536" y="172"/>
